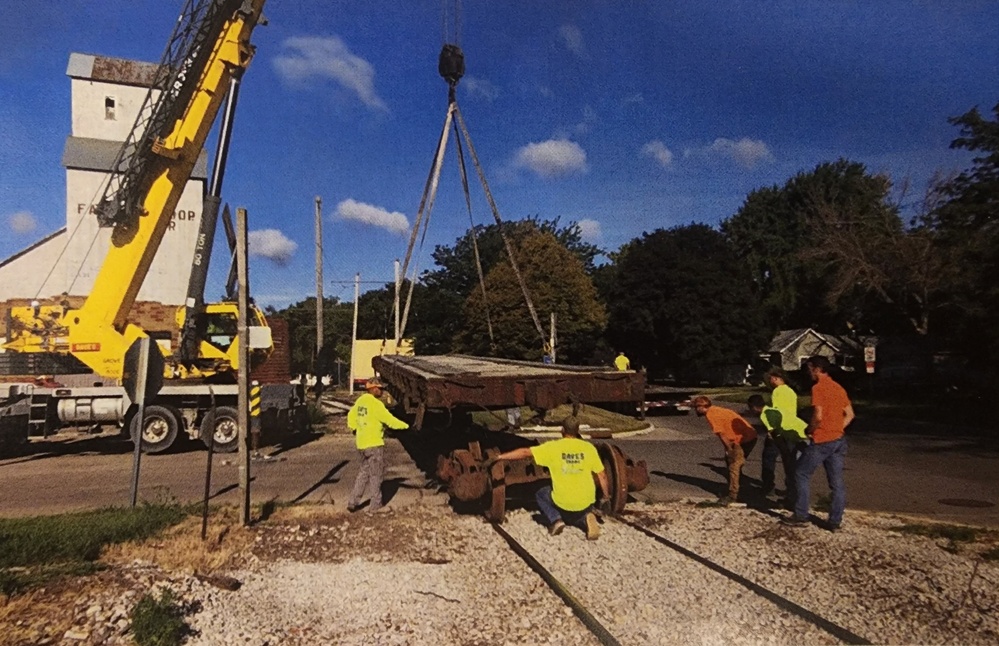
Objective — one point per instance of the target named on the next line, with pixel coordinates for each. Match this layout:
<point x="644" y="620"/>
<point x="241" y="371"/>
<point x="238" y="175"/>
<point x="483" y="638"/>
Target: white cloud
<point x="271" y="244"/>
<point x="306" y="58"/>
<point x="22" y="222"/>
<point x="552" y="158"/>
<point x="589" y="230"/>
<point x="572" y="38"/>
<point x="658" y="151"/>
<point x="745" y="152"/>
<point x="392" y="221"/>
<point x="480" y="88"/>
<point x="633" y="98"/>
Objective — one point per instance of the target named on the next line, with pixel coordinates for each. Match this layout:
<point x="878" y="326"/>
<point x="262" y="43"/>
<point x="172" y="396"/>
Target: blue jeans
<point x="830" y="455"/>
<point x="553" y="512"/>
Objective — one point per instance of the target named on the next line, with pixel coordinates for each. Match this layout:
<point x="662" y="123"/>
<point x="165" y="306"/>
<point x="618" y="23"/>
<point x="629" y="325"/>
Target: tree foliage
<point x="557" y="282"/>
<point x="337" y="331"/>
<point x="966" y="225"/>
<point x="682" y="303"/>
<point x="830" y="249"/>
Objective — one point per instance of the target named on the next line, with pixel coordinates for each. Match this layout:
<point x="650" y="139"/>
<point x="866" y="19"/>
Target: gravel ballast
<point x="424" y="575"/>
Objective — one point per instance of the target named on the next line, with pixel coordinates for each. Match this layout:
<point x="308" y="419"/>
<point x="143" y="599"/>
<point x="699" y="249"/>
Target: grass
<point x="158" y="622"/>
<point x="42" y="548"/>
<point x="953" y="533"/>
<point x="589" y="415"/>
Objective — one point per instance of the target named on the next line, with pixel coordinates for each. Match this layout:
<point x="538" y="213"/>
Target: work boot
<point x="556" y="528"/>
<point x="592" y="527"/>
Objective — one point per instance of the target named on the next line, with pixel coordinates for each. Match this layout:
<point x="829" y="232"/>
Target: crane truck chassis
<point x="178" y="409"/>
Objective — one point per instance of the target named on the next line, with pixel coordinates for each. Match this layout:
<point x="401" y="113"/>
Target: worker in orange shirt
<point x="736" y="434"/>
<point x="832" y="412"/>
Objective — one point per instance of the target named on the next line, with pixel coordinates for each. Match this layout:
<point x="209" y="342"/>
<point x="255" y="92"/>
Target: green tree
<point x="967" y="226"/>
<point x="829" y="249"/>
<point x="558" y="283"/>
<point x="337" y="329"/>
<point x="683" y="304"/>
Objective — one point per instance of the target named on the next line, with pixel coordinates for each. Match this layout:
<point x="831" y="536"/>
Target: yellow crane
<point x="209" y="49"/>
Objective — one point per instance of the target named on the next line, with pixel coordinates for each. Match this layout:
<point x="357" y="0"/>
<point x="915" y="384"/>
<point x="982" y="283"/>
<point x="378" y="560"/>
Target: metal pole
<point x="353" y="338"/>
<point x="319" y="280"/>
<point x="208" y="467"/>
<point x="244" y="364"/>
<point x="551" y="339"/>
<point x="397" y="312"/>
<point x="140" y="395"/>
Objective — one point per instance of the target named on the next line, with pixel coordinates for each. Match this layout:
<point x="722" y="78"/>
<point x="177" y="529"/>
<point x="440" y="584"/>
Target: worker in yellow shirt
<point x="572" y="463"/>
<point x="368" y="419"/>
<point x="785" y="434"/>
<point x="622" y="362"/>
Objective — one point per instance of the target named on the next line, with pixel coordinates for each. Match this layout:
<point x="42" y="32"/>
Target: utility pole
<point x="243" y="379"/>
<point x="397" y="286"/>
<point x="353" y="338"/>
<point x="319" y="280"/>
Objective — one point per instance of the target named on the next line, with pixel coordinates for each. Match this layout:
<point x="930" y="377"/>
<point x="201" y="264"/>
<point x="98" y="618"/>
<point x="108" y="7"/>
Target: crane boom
<point x="159" y="159"/>
<point x="209" y="47"/>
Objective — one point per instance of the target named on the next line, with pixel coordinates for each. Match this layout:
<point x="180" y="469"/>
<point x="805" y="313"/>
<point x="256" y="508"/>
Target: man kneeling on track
<point x="572" y="462"/>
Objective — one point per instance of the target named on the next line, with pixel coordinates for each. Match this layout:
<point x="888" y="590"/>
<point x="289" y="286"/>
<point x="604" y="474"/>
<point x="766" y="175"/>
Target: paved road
<point x="900" y="472"/>
<point x="921" y="472"/>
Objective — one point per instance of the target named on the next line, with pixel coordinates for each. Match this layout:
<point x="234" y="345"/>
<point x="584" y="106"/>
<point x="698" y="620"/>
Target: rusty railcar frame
<point x="459" y="382"/>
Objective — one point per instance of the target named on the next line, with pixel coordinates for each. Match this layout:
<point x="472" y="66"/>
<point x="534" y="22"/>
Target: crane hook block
<point x="451" y="64"/>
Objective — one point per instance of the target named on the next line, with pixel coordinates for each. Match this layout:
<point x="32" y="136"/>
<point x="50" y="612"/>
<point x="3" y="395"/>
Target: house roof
<point x="786" y="338"/>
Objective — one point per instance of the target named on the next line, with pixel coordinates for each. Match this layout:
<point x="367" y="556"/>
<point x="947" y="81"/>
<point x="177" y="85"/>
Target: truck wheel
<point x="224" y="425"/>
<point x="160" y="429"/>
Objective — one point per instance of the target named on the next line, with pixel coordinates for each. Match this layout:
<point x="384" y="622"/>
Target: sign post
<point x="142" y="378"/>
<point x="870" y="357"/>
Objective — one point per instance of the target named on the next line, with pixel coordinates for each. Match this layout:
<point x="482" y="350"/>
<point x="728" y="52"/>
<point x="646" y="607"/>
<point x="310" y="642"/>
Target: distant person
<point x="832" y="412"/>
<point x="622" y="362"/>
<point x="368" y="419"/>
<point x="737" y="436"/>
<point x="784" y="437"/>
<point x="572" y="462"/>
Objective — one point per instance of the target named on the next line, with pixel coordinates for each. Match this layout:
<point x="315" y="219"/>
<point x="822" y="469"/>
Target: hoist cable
<point x="475" y="242"/>
<point x="426" y="205"/>
<point x="499" y="225"/>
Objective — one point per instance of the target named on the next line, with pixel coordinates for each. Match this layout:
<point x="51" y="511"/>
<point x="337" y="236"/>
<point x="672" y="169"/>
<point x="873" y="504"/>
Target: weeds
<point x="314" y="414"/>
<point x="158" y="622"/>
<point x="953" y="533"/>
<point x="991" y="555"/>
<point x="38" y="549"/>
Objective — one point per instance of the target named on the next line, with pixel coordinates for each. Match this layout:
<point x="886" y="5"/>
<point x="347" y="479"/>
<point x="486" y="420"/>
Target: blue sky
<point x="623" y="116"/>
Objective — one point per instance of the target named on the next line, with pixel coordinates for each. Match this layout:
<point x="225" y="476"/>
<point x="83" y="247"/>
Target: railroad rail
<point x="606" y="637"/>
<point x="459" y="382"/>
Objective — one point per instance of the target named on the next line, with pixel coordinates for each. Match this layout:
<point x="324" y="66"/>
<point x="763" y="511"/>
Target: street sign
<point x="142" y="376"/>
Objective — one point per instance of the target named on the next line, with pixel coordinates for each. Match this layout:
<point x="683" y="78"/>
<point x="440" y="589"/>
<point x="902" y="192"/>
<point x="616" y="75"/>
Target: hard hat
<point x="373" y="383"/>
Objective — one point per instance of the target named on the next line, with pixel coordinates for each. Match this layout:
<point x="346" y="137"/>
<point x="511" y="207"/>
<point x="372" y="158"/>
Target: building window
<point x="109" y="104"/>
